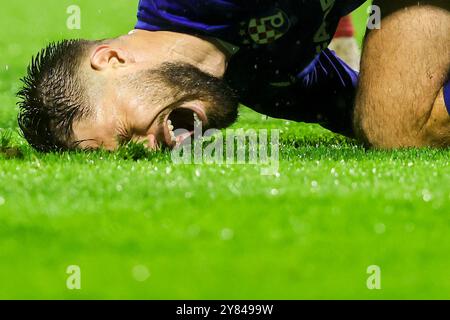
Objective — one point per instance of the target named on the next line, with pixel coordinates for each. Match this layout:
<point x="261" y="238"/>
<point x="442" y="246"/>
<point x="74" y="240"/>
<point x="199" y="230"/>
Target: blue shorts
<point x="447" y="94"/>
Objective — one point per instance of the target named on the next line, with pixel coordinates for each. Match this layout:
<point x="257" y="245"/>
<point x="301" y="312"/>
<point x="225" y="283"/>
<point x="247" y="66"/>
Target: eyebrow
<point x="123" y="132"/>
<point x="76" y="144"/>
<point x="123" y="135"/>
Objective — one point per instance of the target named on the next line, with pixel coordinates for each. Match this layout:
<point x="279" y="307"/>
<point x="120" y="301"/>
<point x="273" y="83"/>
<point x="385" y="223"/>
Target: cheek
<point x="141" y="120"/>
<point x="140" y="116"/>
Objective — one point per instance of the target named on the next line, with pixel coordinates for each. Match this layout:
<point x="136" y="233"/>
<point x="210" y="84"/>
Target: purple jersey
<point x="282" y="67"/>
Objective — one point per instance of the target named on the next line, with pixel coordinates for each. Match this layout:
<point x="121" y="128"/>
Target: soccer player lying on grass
<point x="195" y="59"/>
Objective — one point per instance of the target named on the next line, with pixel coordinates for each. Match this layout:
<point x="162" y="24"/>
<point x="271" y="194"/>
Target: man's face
<point x="149" y="106"/>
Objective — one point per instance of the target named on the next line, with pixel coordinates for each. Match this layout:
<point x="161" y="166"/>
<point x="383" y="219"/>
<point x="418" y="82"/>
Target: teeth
<point x="173" y="138"/>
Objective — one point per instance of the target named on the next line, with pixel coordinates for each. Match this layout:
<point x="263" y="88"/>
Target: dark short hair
<point x="53" y="96"/>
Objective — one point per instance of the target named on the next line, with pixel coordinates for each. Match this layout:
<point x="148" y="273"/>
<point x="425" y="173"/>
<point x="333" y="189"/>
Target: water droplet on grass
<point x="274" y="192"/>
<point x="193" y="231"/>
<point x="410" y="227"/>
<point x="140" y="273"/>
<point x="226" y="234"/>
<point x="426" y="195"/>
<point x="380" y="228"/>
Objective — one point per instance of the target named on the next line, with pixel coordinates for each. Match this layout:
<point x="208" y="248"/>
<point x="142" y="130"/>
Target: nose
<point x="153" y="142"/>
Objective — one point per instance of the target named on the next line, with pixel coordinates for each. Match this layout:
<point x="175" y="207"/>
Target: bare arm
<point x="403" y="69"/>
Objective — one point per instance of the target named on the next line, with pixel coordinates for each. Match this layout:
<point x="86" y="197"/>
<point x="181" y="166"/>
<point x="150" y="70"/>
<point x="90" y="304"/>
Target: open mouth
<point x="180" y="124"/>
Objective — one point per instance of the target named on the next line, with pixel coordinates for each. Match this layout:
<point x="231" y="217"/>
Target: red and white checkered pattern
<point x="265" y="30"/>
<point x="262" y="32"/>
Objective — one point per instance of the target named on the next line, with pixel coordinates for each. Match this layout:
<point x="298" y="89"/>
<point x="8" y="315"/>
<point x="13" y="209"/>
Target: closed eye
<point x="123" y="136"/>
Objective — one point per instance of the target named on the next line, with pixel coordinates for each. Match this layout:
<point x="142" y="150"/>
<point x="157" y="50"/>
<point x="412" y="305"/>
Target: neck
<point x="204" y="53"/>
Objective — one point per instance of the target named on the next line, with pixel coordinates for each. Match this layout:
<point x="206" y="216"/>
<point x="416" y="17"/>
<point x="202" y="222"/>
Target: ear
<point x="105" y="57"/>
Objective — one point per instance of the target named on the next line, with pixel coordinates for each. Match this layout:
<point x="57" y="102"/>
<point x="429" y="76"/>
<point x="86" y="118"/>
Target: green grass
<point x="210" y="231"/>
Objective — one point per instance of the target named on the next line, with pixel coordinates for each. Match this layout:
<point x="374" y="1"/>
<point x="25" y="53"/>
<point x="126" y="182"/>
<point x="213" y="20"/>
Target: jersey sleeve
<point x="217" y="18"/>
<point x="324" y="93"/>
